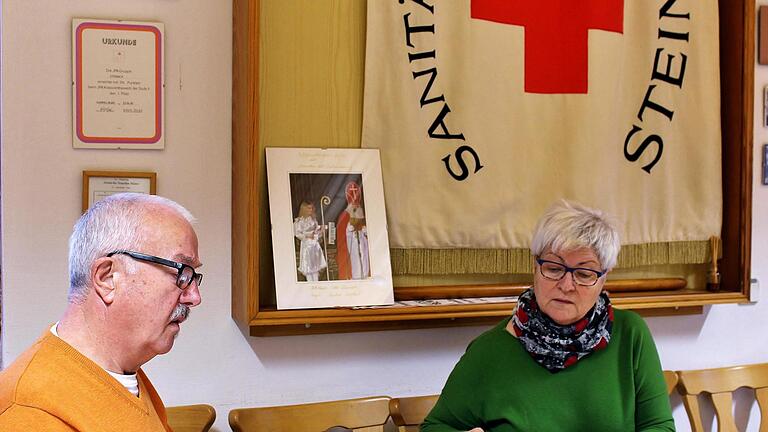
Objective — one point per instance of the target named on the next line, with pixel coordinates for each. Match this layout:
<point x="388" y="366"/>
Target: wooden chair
<point x="191" y="418"/>
<point x="409" y="412"/>
<point x="720" y="384"/>
<point x="368" y="414"/>
<point x="671" y="378"/>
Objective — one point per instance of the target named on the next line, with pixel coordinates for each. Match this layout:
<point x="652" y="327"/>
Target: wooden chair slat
<point x="761" y="395"/>
<point x="723" y="403"/>
<point x="691" y="403"/>
<point x="409" y="412"/>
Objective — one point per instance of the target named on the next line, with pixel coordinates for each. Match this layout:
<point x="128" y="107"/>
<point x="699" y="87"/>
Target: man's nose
<point x="191" y="295"/>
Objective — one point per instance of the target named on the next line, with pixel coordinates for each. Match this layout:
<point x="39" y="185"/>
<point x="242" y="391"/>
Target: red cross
<point x="556" y="42"/>
<point x="353" y="193"/>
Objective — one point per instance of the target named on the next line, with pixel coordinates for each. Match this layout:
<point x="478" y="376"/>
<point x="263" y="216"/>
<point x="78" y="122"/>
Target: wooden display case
<point x="326" y="111"/>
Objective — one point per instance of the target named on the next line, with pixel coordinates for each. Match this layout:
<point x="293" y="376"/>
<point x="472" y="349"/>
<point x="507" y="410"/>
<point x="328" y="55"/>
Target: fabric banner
<point x="488" y="111"/>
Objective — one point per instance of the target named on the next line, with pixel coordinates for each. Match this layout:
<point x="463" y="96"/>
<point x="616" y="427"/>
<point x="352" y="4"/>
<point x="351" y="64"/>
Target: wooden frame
<point x="88" y="175"/>
<point x="252" y="277"/>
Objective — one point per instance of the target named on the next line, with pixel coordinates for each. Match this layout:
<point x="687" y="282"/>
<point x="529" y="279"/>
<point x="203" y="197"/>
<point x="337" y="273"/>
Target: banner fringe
<point x="510" y="261"/>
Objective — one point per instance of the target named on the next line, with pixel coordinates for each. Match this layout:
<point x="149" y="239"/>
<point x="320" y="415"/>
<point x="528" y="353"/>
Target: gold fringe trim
<point x="509" y="261"/>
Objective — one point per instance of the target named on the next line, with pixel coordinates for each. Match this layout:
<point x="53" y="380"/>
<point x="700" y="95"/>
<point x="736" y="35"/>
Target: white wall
<point x="212" y="361"/>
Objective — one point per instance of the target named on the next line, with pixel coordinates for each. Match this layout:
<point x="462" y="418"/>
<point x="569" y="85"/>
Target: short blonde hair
<point x="569" y="225"/>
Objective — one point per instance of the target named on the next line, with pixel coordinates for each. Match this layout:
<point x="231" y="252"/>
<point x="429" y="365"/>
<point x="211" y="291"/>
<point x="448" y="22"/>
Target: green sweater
<point x="499" y="387"/>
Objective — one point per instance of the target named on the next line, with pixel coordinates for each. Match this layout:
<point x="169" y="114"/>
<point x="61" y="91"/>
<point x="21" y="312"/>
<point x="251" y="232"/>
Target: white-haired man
<point x="132" y="261"/>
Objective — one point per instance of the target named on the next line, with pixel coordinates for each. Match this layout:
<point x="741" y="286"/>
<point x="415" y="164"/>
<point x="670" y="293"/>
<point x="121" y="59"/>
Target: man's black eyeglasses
<point x="184" y="278"/>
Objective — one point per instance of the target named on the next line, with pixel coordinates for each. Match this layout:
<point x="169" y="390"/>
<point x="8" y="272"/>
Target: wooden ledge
<point x="272" y="322"/>
<point x="505" y="290"/>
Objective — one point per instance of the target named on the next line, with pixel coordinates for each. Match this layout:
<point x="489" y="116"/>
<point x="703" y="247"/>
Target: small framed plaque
<point x="765" y="106"/>
<point x="765" y="165"/>
<point x="98" y="185"/>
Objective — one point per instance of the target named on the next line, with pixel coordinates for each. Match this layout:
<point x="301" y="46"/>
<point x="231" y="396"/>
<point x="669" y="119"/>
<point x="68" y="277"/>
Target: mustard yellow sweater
<point x="53" y="387"/>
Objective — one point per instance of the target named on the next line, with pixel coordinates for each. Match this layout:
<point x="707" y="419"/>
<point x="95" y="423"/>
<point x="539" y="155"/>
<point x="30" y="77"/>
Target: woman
<point x="308" y="231"/>
<point x="565" y="360"/>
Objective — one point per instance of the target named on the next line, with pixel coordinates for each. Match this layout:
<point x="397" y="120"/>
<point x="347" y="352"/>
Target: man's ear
<point x="103" y="278"/>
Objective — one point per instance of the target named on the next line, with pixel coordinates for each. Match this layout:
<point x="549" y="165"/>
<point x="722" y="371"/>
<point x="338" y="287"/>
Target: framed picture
<point x="765" y="164"/>
<point x="762" y="35"/>
<point x="765" y="106"/>
<point x="329" y="231"/>
<point x="98" y="185"/>
<point x="117" y="85"/>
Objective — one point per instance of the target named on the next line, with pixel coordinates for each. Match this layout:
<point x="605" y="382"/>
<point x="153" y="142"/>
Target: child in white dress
<point x="306" y="229"/>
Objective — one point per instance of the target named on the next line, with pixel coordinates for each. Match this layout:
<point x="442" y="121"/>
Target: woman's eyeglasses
<point x="556" y="271"/>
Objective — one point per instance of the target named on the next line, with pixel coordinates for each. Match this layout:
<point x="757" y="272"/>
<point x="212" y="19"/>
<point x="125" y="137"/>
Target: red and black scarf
<point x="556" y="346"/>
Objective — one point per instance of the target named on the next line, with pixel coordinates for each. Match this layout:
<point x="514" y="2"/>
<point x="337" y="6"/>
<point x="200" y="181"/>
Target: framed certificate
<point x="117" y="84"/>
<point x="98" y="185"/>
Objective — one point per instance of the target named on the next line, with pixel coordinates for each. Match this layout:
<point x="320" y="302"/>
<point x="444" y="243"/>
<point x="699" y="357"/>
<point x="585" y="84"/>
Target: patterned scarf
<point x="556" y="346"/>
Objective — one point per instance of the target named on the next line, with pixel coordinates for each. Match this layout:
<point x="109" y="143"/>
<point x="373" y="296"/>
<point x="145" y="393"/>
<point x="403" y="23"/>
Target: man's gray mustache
<point x="180" y="313"/>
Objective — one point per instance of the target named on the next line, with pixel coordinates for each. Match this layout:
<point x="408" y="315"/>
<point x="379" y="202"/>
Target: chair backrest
<point x="361" y="415"/>
<point x="671" y="378"/>
<point x="720" y="384"/>
<point x="191" y="418"/>
<point x="409" y="412"/>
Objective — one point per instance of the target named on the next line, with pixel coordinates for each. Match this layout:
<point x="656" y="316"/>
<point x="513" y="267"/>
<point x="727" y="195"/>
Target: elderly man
<point x="132" y="261"/>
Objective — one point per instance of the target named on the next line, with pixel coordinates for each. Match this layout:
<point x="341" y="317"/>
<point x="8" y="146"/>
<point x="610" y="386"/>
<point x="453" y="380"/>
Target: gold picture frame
<point x="100" y="184"/>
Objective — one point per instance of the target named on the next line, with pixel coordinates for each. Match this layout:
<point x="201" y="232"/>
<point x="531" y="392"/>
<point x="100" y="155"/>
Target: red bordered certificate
<point x="117" y="91"/>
